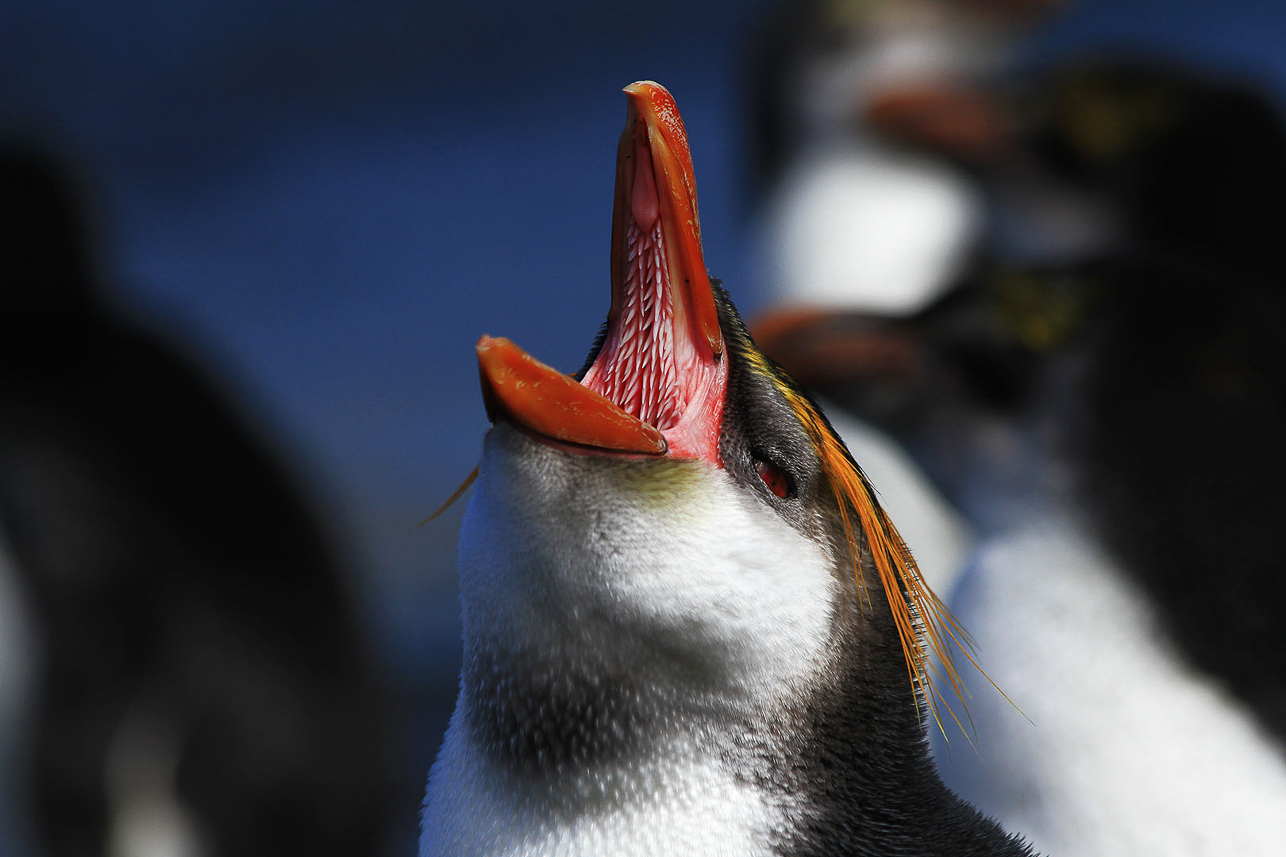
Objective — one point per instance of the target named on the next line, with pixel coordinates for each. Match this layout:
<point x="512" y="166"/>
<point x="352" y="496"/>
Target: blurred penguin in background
<point x="856" y="222"/>
<point x="1099" y="391"/>
<point x="201" y="682"/>
<point x="829" y="80"/>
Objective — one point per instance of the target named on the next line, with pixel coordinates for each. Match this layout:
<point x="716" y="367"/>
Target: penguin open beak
<point x="655" y="185"/>
<point x="518" y="387"/>
<point x="656" y="385"/>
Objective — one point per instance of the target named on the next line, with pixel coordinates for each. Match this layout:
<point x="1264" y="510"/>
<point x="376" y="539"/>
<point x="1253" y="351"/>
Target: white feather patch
<point x="1129" y="751"/>
<point x="595" y="558"/>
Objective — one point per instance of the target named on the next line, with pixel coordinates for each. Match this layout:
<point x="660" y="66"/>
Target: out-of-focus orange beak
<point x="942" y="117"/>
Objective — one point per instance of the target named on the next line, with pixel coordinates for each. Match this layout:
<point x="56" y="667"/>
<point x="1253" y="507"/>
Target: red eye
<point x="773" y="478"/>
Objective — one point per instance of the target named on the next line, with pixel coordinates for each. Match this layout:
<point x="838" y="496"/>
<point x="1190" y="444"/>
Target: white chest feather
<point x="712" y="608"/>
<point x="687" y="805"/>
<point x="578" y="558"/>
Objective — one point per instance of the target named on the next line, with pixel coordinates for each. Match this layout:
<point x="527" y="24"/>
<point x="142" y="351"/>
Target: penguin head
<point x="679" y="511"/>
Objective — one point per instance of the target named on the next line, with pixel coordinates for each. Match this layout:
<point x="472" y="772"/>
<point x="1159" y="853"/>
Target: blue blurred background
<point x="328" y="204"/>
<point x="323" y="206"/>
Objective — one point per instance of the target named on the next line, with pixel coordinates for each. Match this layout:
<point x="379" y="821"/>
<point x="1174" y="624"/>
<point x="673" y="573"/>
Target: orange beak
<point x="654" y="150"/>
<point x="654" y="185"/>
<point x="518" y="387"/>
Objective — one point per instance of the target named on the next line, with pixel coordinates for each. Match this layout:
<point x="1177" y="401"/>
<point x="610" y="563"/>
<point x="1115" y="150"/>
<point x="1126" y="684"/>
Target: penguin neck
<point x="550" y="720"/>
<point x="857" y="750"/>
<point x="545" y="720"/>
<point x="624" y="619"/>
<point x="841" y="768"/>
<point x="613" y="606"/>
<point x="656" y="662"/>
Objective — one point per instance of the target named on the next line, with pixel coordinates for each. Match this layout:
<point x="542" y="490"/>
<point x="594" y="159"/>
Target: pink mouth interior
<point x="653" y="363"/>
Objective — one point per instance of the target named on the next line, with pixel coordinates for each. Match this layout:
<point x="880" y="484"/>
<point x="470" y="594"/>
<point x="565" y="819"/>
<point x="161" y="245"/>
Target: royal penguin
<point x="688" y="625"/>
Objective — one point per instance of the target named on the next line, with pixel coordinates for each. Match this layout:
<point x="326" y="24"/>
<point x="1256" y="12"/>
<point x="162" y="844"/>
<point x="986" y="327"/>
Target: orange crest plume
<point x="924" y="622"/>
<point x="464" y="486"/>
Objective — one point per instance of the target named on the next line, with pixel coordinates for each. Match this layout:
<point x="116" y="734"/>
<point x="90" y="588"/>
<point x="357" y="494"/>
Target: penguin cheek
<point x="646" y="562"/>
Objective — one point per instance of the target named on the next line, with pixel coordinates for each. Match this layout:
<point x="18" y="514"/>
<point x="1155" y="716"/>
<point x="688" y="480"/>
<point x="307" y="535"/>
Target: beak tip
<point x="643" y="92"/>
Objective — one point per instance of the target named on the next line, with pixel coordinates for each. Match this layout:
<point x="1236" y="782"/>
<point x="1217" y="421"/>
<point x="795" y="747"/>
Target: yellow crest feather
<point x="464" y="486"/>
<point x="924" y="623"/>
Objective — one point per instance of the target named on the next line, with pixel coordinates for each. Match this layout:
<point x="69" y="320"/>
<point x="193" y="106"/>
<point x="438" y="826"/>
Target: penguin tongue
<point x="657" y="383"/>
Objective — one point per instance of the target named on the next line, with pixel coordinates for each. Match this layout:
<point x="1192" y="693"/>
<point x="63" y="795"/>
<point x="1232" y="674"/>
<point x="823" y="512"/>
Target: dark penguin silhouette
<point x="1185" y="400"/>
<point x="203" y="671"/>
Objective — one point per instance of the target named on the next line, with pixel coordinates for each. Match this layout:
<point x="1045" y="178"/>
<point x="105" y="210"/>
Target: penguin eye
<point x="774" y="477"/>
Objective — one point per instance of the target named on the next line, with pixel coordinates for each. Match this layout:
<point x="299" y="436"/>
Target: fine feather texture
<point x="926" y="627"/>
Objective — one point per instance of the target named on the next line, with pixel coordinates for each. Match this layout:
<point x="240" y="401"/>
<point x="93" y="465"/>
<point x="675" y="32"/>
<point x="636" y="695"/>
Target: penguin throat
<point x="653" y="364"/>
